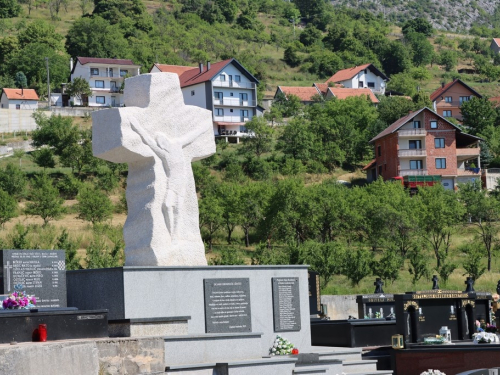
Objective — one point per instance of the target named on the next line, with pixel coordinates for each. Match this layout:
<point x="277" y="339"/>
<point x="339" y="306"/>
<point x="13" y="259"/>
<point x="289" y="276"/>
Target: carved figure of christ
<point x="158" y="136"/>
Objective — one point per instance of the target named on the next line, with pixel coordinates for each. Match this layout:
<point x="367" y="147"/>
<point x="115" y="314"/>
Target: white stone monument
<point x="158" y="136"/>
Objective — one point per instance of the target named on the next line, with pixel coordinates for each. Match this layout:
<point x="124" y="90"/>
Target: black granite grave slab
<point x="421" y="314"/>
<point x="483" y="305"/>
<point x="314" y="293"/>
<point x="227" y="305"/>
<point x="42" y="273"/>
<point x="62" y="324"/>
<point x="353" y="332"/>
<point x="286" y="304"/>
<point x="371" y="304"/>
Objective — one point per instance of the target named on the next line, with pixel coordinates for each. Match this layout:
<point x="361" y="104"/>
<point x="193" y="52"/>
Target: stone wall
<point x="340" y="307"/>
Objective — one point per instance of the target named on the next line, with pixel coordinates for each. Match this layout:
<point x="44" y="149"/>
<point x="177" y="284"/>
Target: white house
<point x="360" y="77"/>
<point x="226" y="88"/>
<point x="105" y="77"/>
<point x="19" y="99"/>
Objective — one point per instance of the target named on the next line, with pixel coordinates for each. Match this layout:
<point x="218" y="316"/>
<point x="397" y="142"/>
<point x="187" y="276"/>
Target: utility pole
<point x="48" y="80"/>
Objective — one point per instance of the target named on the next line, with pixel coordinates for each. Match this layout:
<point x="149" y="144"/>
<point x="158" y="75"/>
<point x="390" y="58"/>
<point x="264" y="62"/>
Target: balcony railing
<point x="468" y="171"/>
<point x="235" y="102"/>
<point x="413" y="172"/>
<point x="231" y="118"/>
<point x="468" y="151"/>
<point x="412" y="132"/>
<point x="412" y="152"/>
<point x="241" y="85"/>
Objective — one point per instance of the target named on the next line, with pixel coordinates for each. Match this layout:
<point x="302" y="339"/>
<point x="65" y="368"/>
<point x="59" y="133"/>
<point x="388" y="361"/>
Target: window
<point x="123" y="72"/>
<point x="415" y="145"/>
<point x="244" y="113"/>
<point x="243" y="96"/>
<point x="231" y="94"/>
<point x="446" y="113"/>
<point x="100" y="100"/>
<point x="371" y="84"/>
<point x="237" y="78"/>
<point x="416" y="164"/>
<point x="379" y="151"/>
<point x="218" y="95"/>
<point x="192" y="92"/>
<point x="111" y="72"/>
<point x="360" y="84"/>
<point x="464" y="99"/>
<point x="222" y="78"/>
<point x="231" y="110"/>
<point x="366" y="71"/>
<point x="434" y="124"/>
<point x="448" y="99"/>
<point x="380" y="170"/>
<point x="94" y="71"/>
<point x="99" y="84"/>
<point x="440" y="163"/>
<point x="18" y="106"/>
<point x="416" y="124"/>
<point x="439" y="142"/>
<point x="219" y="112"/>
<point x="243" y="129"/>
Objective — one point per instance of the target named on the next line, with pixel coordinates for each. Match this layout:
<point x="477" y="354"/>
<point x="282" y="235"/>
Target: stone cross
<point x="378" y="285"/>
<point x="470" y="284"/>
<point x="158" y="136"/>
<point x="435" y="280"/>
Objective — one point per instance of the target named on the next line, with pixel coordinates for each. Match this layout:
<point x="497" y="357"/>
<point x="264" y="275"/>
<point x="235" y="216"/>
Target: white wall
<point x="409" y="125"/>
<point x="24" y="104"/>
<point x="199" y="98"/>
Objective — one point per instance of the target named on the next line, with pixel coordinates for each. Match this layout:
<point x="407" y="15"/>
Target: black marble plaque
<point x="42" y="273"/>
<point x="286" y="304"/>
<point x="227" y="305"/>
<point x="314" y="293"/>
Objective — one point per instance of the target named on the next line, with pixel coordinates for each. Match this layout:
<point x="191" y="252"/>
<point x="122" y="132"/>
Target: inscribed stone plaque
<point x="42" y="273"/>
<point x="286" y="304"/>
<point x="227" y="305"/>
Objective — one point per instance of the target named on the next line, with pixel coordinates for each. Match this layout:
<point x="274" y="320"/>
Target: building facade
<point x="363" y="76"/>
<point x="448" y="99"/>
<point x="424" y="143"/>
<point x="19" y="99"/>
<point x="226" y="88"/>
<point x="105" y="77"/>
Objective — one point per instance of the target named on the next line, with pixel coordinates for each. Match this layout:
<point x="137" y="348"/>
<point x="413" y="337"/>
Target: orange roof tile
<point x="440" y="91"/>
<point x="370" y="165"/>
<point x="497" y="41"/>
<point x="19" y="94"/>
<point x="305" y="94"/>
<point x="349" y="73"/>
<point x="342" y="93"/>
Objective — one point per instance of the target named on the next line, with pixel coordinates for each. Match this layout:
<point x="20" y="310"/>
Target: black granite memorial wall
<point x="286" y="304"/>
<point x="314" y="293"/>
<point x="42" y="273"/>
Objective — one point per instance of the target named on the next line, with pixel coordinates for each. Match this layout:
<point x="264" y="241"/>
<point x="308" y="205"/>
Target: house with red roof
<point x="105" y="77"/>
<point x="425" y="143"/>
<point x="226" y="88"/>
<point x="362" y="76"/>
<point x="495" y="45"/>
<point x="19" y="99"/>
<point x="448" y="99"/>
<point x="307" y="95"/>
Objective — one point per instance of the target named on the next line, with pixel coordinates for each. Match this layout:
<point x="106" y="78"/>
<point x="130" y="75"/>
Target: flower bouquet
<point x="19" y="300"/>
<point x="485" y="338"/>
<point x="282" y="346"/>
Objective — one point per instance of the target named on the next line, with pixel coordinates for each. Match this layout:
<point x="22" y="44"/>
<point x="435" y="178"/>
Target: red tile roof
<point x="495" y="100"/>
<point x="497" y="41"/>
<point x="19" y="94"/>
<point x="342" y="93"/>
<point x="97" y="60"/>
<point x="322" y="87"/>
<point x="406" y="119"/>
<point x="346" y="74"/>
<point x="440" y="91"/>
<point x="370" y="165"/>
<point x="305" y="94"/>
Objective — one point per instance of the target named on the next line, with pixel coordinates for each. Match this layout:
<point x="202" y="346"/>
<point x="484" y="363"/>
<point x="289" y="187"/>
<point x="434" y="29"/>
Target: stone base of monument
<point x="232" y="315"/>
<point x="176" y="325"/>
<point x="353" y="333"/>
<point x="62" y="324"/>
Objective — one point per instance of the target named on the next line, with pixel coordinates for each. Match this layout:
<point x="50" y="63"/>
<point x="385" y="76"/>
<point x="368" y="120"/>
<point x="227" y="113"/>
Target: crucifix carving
<point x="158" y="136"/>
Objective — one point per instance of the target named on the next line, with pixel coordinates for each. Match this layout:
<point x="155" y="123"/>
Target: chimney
<point x="442" y="84"/>
<point x="22" y="91"/>
<point x="208" y="66"/>
<point x="201" y="68"/>
<point x="70" y="64"/>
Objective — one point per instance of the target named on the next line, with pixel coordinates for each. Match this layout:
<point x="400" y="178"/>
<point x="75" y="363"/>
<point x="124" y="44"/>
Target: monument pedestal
<point x="233" y="315"/>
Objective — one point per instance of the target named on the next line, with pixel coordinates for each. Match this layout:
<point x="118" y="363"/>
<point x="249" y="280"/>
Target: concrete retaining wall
<point x="340" y="307"/>
<point x="15" y="120"/>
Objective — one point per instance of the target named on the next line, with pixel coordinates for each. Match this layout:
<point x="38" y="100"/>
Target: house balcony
<point x="233" y="119"/>
<point x="234" y="102"/>
<point x="467" y="153"/>
<point x="413" y="172"/>
<point x="406" y="153"/>
<point x="241" y="85"/>
<point x="377" y="90"/>
<point x="412" y="133"/>
<point x="468" y="171"/>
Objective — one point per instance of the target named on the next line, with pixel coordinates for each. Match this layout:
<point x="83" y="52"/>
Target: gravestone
<point x="314" y="293"/>
<point x="227" y="305"/>
<point x="286" y="304"/>
<point x="376" y="305"/>
<point x="421" y="314"/>
<point x="42" y="273"/>
<point x="483" y="303"/>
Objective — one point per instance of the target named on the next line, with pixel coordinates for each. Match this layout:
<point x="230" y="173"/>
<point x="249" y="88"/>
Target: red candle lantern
<point x="42" y="332"/>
